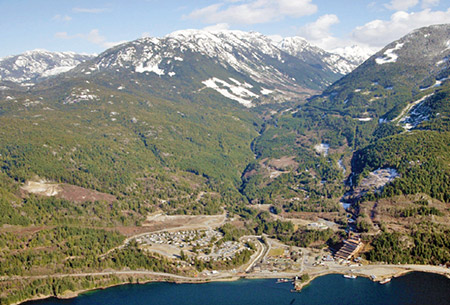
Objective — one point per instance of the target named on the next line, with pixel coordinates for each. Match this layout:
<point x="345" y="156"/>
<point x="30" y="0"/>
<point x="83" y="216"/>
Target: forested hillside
<point x="90" y="157"/>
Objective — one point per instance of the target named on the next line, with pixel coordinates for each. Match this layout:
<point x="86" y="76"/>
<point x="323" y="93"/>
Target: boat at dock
<point x="283" y="280"/>
<point x="350" y="276"/>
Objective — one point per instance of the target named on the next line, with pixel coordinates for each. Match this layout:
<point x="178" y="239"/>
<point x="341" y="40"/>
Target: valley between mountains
<point x="205" y="156"/>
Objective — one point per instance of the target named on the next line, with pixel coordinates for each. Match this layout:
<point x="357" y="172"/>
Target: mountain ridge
<point x="400" y="92"/>
<point x="38" y="64"/>
<point x="245" y="57"/>
<point x="292" y="70"/>
<point x="369" y="155"/>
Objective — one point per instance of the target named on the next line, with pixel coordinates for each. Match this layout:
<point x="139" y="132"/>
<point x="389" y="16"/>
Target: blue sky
<point x="93" y="26"/>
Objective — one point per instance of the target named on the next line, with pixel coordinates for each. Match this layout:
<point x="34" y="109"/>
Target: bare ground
<point x="285" y="162"/>
<point x="302" y="218"/>
<point x="65" y="191"/>
<point x="80" y="194"/>
<point x="387" y="210"/>
<point x="183" y="222"/>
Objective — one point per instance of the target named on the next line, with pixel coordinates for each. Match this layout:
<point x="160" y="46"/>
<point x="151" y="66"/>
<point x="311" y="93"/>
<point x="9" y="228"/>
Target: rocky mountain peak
<point x="355" y="54"/>
<point x="37" y="64"/>
<point x="228" y="60"/>
<point x="425" y="46"/>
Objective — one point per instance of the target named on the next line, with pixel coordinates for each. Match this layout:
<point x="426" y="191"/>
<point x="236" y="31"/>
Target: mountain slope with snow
<point x="355" y="54"/>
<point x="248" y="67"/>
<point x="37" y="64"/>
<point x="399" y="74"/>
<point x="392" y="112"/>
<point x="191" y="59"/>
<point x="337" y="62"/>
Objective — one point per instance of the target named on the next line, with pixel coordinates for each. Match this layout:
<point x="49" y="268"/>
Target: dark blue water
<point x="413" y="288"/>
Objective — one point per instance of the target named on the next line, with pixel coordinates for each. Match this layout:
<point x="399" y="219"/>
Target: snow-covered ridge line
<point x="341" y="61"/>
<point x="236" y="48"/>
<point x="46" y="52"/>
<point x="252" y="55"/>
<point x="354" y="55"/>
<point x="244" y="51"/>
<point x="36" y="64"/>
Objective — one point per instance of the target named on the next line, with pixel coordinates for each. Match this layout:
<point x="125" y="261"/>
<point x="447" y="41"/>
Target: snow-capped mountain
<point x="355" y="54"/>
<point x="246" y="67"/>
<point x="301" y="48"/>
<point x="394" y="80"/>
<point x="242" y="66"/>
<point x="37" y="64"/>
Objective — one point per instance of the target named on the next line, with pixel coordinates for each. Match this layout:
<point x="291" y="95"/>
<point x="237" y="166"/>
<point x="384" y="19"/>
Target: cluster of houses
<point x="181" y="239"/>
<point x="200" y="243"/>
<point x="223" y="252"/>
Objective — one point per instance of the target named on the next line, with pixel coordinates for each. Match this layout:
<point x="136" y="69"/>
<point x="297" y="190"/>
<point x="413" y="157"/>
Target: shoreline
<point x="388" y="271"/>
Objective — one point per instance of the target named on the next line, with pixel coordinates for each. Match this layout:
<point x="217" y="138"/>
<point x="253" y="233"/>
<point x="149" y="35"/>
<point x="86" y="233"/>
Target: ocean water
<point x="414" y="288"/>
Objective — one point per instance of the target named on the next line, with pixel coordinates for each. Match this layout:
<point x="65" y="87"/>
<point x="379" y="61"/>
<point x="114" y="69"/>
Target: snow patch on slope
<point x="56" y="71"/>
<point x="438" y="83"/>
<point x="341" y="166"/>
<point x="404" y="118"/>
<point x="364" y="119"/>
<point x="322" y="148"/>
<point x="265" y="91"/>
<point x="389" y="55"/>
<point x="378" y="179"/>
<point x="150" y="67"/>
<point x="237" y="92"/>
<point x="79" y="94"/>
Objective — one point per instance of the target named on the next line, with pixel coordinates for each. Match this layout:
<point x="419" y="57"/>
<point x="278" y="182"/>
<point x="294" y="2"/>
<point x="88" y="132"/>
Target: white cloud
<point x="429" y="3"/>
<point x="318" y="32"/>
<point x="404" y="5"/>
<point x="64" y="35"/>
<point x="89" y="10"/>
<point x="319" y="28"/>
<point x="252" y="11"/>
<point x="401" y="5"/>
<point x="379" y="33"/>
<point x="59" y="17"/>
<point x="93" y="36"/>
<point x="217" y="27"/>
<point x="372" y="4"/>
